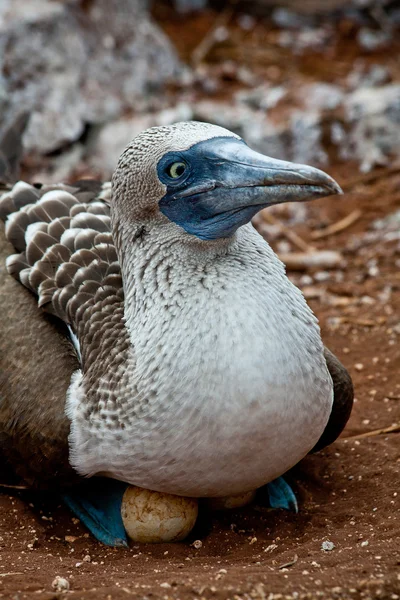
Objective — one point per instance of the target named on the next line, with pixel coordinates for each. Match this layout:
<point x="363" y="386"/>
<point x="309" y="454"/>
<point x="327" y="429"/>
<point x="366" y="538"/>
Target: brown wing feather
<point x="56" y="234"/>
<point x="67" y="258"/>
<point x="33" y="427"/>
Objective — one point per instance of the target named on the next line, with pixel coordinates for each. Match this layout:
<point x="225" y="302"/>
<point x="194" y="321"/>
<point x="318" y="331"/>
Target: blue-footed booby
<point x="171" y="352"/>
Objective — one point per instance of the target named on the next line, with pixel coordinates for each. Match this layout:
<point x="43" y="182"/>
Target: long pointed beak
<point x="233" y="165"/>
<point x="233" y="182"/>
<point x="275" y="180"/>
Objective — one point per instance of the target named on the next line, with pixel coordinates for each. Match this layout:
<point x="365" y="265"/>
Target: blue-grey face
<point x="219" y="184"/>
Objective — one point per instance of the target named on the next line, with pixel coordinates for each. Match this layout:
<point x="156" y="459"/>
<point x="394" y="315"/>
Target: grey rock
<point x="186" y="6"/>
<point x="63" y="166"/>
<point x="246" y="22"/>
<point x="314" y="7"/>
<point x="310" y="38"/>
<point x="290" y="19"/>
<point x="370" y="39"/>
<point x="362" y="125"/>
<point x="297" y="141"/>
<point x="389" y="223"/>
<point x="327" y="546"/>
<point x="11" y="149"/>
<point x="263" y="96"/>
<point x="71" y="66"/>
<point x="306" y="133"/>
<point x="110" y="140"/>
<point x="374" y="118"/>
<point x="364" y="75"/>
<point x="322" y="96"/>
<point x="253" y="125"/>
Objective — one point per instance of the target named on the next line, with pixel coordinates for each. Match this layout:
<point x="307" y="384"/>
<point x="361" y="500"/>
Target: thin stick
<point x="392" y="429"/>
<point x="338" y="226"/>
<point x="6" y="574"/>
<point x="301" y="261"/>
<point x="361" y="322"/>
<point x="208" y="41"/>
<point x="291" y="235"/>
<point x="371" y="176"/>
<point x="290" y="563"/>
<point x="14" y="487"/>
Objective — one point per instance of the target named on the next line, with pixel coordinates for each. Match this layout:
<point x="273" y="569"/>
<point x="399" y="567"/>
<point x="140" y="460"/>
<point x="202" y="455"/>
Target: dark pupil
<point x="178" y="171"/>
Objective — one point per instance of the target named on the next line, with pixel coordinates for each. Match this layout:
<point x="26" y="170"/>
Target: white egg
<point x="230" y="502"/>
<point x="155" y="517"/>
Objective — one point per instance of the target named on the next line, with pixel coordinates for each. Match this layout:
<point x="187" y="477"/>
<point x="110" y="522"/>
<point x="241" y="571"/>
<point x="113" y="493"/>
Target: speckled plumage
<point x="199" y="360"/>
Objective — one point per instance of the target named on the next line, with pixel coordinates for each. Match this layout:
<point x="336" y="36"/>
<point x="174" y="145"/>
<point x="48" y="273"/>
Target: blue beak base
<point x="224" y="184"/>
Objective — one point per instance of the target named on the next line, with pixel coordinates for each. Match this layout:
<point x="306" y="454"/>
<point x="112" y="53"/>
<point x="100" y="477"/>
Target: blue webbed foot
<point x="281" y="495"/>
<point x="97" y="503"/>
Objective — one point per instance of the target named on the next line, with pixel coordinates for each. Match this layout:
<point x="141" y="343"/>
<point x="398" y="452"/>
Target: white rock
<point x="60" y="584"/>
<point x="71" y="65"/>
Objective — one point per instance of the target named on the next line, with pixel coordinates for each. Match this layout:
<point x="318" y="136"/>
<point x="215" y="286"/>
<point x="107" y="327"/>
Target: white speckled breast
<point x="230" y="384"/>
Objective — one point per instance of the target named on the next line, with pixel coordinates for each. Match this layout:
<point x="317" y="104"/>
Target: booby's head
<point x="205" y="180"/>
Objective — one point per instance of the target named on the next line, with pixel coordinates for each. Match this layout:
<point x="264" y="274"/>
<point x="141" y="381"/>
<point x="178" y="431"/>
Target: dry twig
<point x="14" y="487"/>
<point x="301" y="261"/>
<point x="288" y="233"/>
<point x="338" y="226"/>
<point x="203" y="48"/>
<point x="370" y="177"/>
<point x="290" y="563"/>
<point x="361" y="322"/>
<point x="392" y="429"/>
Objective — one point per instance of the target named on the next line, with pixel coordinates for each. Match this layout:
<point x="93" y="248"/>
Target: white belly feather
<point x="231" y="365"/>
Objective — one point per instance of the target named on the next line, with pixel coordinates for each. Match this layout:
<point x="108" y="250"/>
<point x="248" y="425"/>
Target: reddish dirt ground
<point x="348" y="494"/>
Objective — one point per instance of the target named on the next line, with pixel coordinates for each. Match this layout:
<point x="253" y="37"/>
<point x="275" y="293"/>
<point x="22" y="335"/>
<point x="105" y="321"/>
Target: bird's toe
<point x="281" y="495"/>
<point x="97" y="504"/>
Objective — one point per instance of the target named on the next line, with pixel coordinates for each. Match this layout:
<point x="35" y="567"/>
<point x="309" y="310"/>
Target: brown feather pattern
<point x="68" y="259"/>
<point x="62" y="258"/>
<point x="33" y="426"/>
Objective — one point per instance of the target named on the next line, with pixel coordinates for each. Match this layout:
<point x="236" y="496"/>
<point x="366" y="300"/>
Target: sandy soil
<point x="348" y="494"/>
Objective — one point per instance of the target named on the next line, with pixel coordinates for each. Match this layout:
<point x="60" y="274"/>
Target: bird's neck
<point x="163" y="268"/>
<point x="195" y="311"/>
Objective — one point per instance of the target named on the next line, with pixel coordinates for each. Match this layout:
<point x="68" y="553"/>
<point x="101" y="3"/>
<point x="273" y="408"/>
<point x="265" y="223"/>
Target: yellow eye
<point x="176" y="170"/>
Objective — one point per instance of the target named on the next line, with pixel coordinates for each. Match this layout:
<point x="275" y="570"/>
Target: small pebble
<point x="70" y="538"/>
<point x="327" y="546"/>
<point x="60" y="584"/>
<point x="253" y="541"/>
<point x="197" y="544"/>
